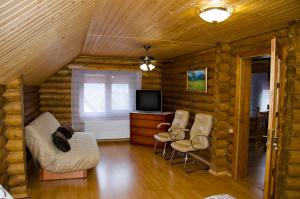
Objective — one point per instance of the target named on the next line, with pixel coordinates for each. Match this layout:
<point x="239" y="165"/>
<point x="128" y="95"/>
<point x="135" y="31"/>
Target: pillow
<point x="60" y="141"/>
<point x="66" y="130"/>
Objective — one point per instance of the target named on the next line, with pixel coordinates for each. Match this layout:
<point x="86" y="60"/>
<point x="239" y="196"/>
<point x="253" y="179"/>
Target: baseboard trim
<point x="114" y="140"/>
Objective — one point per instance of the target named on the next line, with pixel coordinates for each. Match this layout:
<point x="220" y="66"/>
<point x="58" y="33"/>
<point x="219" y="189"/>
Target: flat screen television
<point x="148" y="100"/>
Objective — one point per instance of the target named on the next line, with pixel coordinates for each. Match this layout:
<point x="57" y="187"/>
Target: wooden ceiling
<point x="38" y="37"/>
<point x="121" y="28"/>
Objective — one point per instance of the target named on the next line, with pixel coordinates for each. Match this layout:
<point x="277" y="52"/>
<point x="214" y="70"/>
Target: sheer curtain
<point x="102" y="95"/>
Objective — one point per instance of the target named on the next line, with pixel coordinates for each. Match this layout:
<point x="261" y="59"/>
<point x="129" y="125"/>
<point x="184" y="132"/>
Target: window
<point x="104" y="94"/>
<point x="94" y="98"/>
<point x="120" y="97"/>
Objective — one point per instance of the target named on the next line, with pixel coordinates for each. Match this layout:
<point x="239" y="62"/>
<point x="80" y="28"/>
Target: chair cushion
<point x="163" y="137"/>
<point x="60" y="141"/>
<point x="181" y="119"/>
<point x="182" y="146"/>
<point x="186" y="146"/>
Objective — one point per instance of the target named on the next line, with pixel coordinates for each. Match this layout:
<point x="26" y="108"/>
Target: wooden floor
<point x="134" y="172"/>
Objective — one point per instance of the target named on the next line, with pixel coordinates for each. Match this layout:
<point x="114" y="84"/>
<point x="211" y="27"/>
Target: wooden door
<point x="274" y="131"/>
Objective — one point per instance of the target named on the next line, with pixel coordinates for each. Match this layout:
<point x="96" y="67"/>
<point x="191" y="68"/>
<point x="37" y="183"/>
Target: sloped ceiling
<point x="37" y="37"/>
<point x="172" y="27"/>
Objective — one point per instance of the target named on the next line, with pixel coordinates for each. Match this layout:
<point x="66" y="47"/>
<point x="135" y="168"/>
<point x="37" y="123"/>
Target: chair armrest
<point x="175" y="132"/>
<point x="162" y="124"/>
<point x="193" y="141"/>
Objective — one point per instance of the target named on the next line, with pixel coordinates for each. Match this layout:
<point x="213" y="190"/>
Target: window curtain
<point x="100" y="95"/>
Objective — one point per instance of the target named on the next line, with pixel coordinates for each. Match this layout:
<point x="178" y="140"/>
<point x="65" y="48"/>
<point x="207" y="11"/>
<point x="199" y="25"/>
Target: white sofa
<point x="84" y="153"/>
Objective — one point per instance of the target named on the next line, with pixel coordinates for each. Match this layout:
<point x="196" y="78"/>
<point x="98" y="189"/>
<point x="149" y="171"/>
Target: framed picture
<point x="197" y="80"/>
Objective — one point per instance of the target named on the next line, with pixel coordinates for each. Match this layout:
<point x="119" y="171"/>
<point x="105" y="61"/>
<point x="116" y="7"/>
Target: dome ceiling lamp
<point x="215" y="13"/>
<point x="147" y="61"/>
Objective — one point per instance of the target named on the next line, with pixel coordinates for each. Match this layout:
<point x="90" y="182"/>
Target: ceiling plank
<point x="39" y="37"/>
<point x="172" y="27"/>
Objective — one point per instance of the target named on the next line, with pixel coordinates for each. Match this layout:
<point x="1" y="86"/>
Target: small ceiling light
<point x="215" y="13"/>
<point x="146" y="64"/>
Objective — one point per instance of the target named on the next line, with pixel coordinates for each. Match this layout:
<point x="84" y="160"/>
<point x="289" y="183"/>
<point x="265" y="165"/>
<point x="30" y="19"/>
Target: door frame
<point x="241" y="128"/>
<point x="242" y="109"/>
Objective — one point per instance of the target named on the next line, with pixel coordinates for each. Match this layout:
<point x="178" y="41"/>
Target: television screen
<point x="148" y="100"/>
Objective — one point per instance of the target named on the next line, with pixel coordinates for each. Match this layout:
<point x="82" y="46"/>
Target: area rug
<point x="223" y="196"/>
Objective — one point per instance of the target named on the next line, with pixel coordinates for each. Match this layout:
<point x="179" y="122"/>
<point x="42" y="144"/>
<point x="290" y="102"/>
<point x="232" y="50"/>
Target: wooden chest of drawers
<point x="143" y="126"/>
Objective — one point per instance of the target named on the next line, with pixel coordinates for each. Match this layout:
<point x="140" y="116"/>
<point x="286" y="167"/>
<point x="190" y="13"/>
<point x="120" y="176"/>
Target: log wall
<point x="31" y="103"/>
<point x="14" y="133"/>
<point x="175" y="95"/>
<point x="55" y="95"/>
<point x="222" y="143"/>
<point x="289" y="176"/>
<point x="3" y="141"/>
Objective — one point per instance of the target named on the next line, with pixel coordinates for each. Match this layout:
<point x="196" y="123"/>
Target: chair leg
<point x="185" y="161"/>
<point x="165" y="147"/>
<point x="172" y="156"/>
<point x="154" y="150"/>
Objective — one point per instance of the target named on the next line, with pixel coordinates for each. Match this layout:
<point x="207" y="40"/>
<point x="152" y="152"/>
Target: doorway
<point x="242" y="113"/>
<point x="258" y="120"/>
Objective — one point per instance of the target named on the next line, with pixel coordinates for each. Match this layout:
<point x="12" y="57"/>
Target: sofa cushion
<point x="60" y="141"/>
<point x="66" y="130"/>
<point x="84" y="154"/>
<point x="38" y="136"/>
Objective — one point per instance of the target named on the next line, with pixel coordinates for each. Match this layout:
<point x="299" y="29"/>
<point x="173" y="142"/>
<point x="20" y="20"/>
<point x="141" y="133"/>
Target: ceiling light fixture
<point x="215" y="13"/>
<point x="146" y="64"/>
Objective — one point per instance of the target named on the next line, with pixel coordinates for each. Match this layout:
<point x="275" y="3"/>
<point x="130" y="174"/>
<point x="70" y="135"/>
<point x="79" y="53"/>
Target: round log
<point x="13" y="108"/>
<point x="12" y="95"/>
<point x="14" y="133"/>
<point x="55" y="91"/>
<point x="13" y="120"/>
<point x="55" y="103"/>
<point x="16" y="169"/>
<point x="18" y="190"/>
<point x="55" y="85"/>
<point x="60" y="79"/>
<point x="294" y="157"/>
<point x="56" y="109"/>
<point x="44" y="97"/>
<point x="15" y="157"/>
<point x="17" y="180"/>
<point x="64" y="72"/>
<point x="16" y="84"/>
<point x="15" y="145"/>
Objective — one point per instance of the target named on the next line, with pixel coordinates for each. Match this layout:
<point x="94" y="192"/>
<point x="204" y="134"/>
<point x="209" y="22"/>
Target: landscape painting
<point x="197" y="80"/>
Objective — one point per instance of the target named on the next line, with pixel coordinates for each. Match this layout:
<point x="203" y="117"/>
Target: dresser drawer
<point x="147" y="117"/>
<point x="143" y="131"/>
<point x="145" y="123"/>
